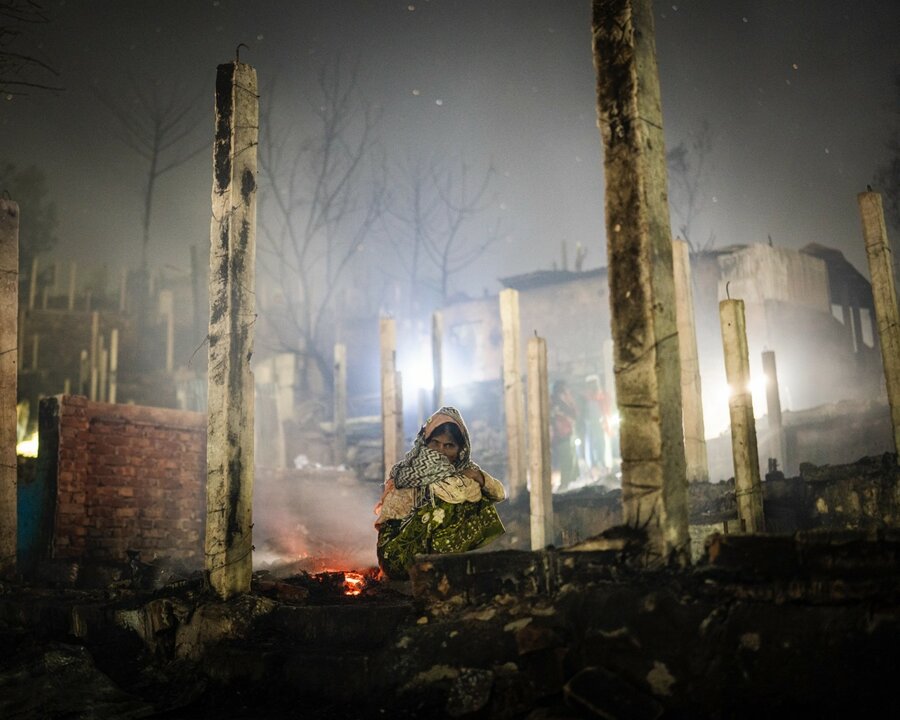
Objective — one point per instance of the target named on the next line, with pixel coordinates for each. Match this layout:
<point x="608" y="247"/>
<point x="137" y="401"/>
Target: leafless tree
<point x="430" y="213"/>
<point x="687" y="174"/>
<point x="21" y="71"/>
<point x="160" y="124"/>
<point x="321" y="195"/>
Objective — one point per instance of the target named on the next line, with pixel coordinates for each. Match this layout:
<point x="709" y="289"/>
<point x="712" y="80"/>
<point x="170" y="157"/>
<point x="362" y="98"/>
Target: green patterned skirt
<point x="441" y="528"/>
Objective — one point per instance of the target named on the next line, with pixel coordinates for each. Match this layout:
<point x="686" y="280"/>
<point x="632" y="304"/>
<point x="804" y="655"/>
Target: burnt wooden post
<point x="513" y="402"/>
<point x="340" y="403"/>
<point x="695" y="455"/>
<point x="884" y="292"/>
<point x="747" y="485"/>
<point x="391" y="415"/>
<point x="541" y="498"/>
<point x="232" y="260"/>
<point x="9" y="309"/>
<point x="642" y="295"/>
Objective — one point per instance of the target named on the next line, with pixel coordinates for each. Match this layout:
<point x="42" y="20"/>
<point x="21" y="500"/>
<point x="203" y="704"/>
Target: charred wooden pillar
<point x="642" y="294"/>
<point x="232" y="260"/>
<point x="747" y="485"/>
<point x="884" y="292"/>
<point x="513" y="402"/>
<point x="9" y="308"/>
<point x="691" y="395"/>
<point x="541" y="496"/>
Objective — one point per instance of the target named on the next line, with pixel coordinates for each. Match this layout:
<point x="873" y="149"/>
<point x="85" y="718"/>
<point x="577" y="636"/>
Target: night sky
<point x="798" y="97"/>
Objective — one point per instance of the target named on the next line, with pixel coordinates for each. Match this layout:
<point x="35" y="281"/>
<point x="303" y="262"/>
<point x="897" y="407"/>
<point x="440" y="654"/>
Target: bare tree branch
<point x="22" y="69"/>
<point x="159" y="126"/>
<point x="321" y="199"/>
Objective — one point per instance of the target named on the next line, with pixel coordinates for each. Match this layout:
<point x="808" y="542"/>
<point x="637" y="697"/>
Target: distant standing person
<point x="563" y="418"/>
<point x="436" y="500"/>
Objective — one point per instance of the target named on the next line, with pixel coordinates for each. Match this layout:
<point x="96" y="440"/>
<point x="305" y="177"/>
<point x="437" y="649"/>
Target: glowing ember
<point x="353" y="583"/>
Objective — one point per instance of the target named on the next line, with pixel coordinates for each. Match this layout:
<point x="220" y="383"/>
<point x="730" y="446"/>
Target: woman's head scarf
<point x="424" y="466"/>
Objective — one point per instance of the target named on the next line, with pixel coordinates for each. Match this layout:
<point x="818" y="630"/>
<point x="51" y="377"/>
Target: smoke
<point x="313" y="519"/>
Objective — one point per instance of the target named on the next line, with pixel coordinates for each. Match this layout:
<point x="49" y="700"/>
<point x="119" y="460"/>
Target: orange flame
<point x="354" y="583"/>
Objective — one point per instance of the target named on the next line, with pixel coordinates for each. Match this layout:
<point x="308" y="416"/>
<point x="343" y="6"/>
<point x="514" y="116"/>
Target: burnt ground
<point x="803" y="623"/>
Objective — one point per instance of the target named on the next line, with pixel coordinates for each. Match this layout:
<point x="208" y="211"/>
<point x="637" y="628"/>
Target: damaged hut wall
<point x="129" y="478"/>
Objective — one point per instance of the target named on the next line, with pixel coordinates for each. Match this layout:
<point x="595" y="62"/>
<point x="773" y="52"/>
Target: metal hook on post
<point x="237" y="51"/>
<point x="727" y="294"/>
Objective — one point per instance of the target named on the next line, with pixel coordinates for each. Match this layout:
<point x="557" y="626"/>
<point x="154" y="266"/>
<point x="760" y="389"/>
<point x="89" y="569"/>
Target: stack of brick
<point x="129" y="478"/>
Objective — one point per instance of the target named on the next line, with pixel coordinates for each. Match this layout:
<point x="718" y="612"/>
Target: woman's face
<point x="445" y="445"/>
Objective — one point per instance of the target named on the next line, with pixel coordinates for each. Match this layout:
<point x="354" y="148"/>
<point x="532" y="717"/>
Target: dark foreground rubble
<point x="804" y="624"/>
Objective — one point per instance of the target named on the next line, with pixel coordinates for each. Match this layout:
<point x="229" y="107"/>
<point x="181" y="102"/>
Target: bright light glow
<point x="615" y="420"/>
<point x="28" y="447"/>
<point x="417" y="372"/>
<point x="756" y="387"/>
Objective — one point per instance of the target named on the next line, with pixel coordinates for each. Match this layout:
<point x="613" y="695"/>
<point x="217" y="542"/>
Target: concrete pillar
<point x="232" y="265"/>
<point x="9" y="309"/>
<point x="390" y="390"/>
<point x="642" y="293"/>
<point x="340" y="404"/>
<point x="513" y="401"/>
<point x="747" y="485"/>
<point x="437" y="359"/>
<point x="691" y="396"/>
<point x="113" y="363"/>
<point x="887" y="316"/>
<point x="541" y="495"/>
<point x="777" y="448"/>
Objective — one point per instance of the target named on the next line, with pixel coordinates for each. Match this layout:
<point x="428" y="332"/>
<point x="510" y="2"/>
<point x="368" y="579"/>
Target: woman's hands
<point x="474" y="474"/>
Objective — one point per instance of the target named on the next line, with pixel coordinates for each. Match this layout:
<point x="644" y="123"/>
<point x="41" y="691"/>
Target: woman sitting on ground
<point x="436" y="499"/>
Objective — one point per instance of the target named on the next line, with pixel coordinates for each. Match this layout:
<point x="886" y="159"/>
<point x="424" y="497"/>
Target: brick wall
<point x="129" y="478"/>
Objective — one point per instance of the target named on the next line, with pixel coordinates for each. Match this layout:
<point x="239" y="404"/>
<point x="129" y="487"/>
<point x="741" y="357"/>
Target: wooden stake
<point x="389" y="393"/>
<point x="9" y="309"/>
<point x="747" y="486"/>
<point x="513" y="401"/>
<point x="539" y="445"/>
<point x="691" y="397"/>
